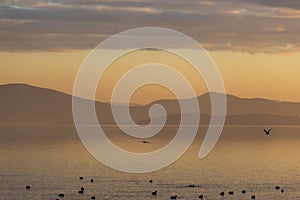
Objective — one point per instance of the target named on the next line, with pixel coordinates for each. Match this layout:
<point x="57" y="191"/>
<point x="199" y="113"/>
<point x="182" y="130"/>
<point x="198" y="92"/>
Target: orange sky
<point x="273" y="76"/>
<point x="43" y="43"/>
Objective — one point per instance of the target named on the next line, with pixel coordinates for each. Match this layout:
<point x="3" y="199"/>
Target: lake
<point x="51" y="158"/>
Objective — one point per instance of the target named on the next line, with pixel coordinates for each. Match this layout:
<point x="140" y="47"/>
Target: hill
<point x="25" y="104"/>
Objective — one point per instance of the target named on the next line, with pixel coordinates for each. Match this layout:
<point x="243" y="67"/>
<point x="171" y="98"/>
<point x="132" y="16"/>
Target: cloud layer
<point x="270" y="26"/>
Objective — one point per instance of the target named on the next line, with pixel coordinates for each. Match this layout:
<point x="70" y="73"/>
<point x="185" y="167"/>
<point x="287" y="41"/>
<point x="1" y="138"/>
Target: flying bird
<point x="145" y="142"/>
<point x="267" y="131"/>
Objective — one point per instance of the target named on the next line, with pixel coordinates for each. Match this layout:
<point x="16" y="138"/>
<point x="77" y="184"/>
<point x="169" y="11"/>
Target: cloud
<point x="234" y="25"/>
<point x="293" y="4"/>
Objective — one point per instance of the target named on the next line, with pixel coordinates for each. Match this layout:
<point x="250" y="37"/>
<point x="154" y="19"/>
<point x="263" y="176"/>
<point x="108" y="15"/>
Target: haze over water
<point x="255" y="46"/>
<point x="51" y="158"/>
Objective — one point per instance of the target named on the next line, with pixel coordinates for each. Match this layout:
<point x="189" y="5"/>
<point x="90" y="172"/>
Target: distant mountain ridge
<point x="25" y="104"/>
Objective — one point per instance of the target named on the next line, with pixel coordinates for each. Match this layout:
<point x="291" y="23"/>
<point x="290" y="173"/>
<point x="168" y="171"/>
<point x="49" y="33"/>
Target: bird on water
<point x="154" y="193"/>
<point x="61" y="195"/>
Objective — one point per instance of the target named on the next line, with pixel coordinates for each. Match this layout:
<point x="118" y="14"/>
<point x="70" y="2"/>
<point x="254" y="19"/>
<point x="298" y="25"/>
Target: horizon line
<point x="144" y="104"/>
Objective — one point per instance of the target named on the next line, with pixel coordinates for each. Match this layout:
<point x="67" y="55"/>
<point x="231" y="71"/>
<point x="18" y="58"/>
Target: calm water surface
<point x="51" y="159"/>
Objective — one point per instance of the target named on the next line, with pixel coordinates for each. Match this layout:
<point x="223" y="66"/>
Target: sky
<point x="255" y="43"/>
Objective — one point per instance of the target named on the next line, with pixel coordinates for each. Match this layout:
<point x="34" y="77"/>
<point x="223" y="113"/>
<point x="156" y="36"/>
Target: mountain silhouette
<point x="25" y="104"/>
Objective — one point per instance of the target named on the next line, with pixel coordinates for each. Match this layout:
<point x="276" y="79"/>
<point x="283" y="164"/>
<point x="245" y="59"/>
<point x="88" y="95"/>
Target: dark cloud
<point x="236" y="25"/>
<point x="294" y="4"/>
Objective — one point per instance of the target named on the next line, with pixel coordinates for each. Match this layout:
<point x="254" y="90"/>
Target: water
<point x="51" y="159"/>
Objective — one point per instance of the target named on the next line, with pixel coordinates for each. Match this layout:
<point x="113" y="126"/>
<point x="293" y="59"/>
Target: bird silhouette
<point x="154" y="193"/>
<point x="80" y="191"/>
<point x="61" y="195"/>
<point x="145" y="142"/>
<point x="267" y="131"/>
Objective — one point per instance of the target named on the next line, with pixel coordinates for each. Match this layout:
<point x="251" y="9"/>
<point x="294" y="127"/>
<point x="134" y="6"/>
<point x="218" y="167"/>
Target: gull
<point x="145" y="142"/>
<point x="267" y="131"/>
